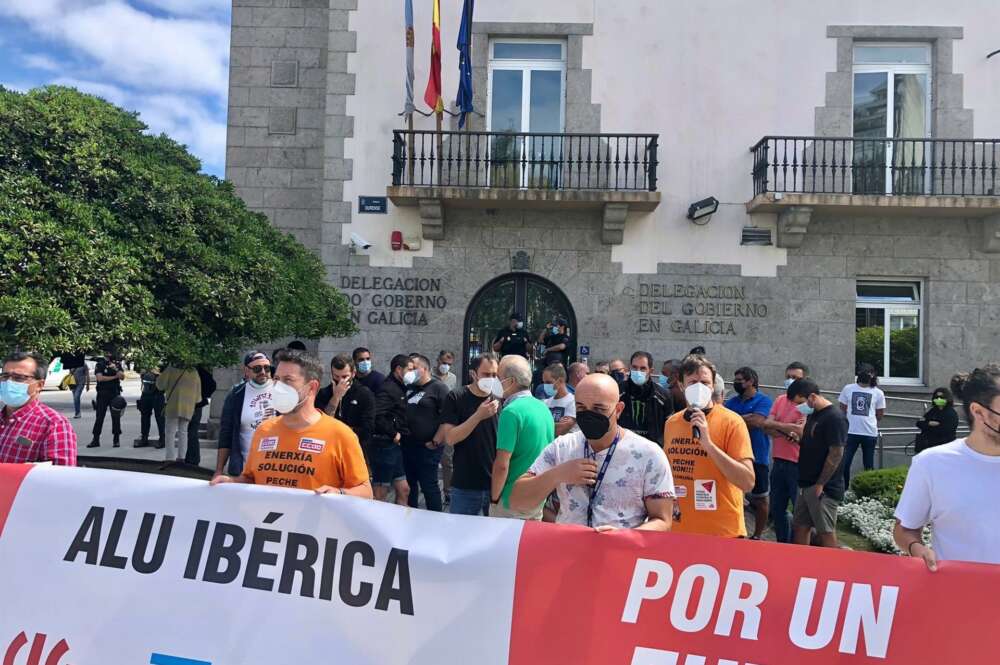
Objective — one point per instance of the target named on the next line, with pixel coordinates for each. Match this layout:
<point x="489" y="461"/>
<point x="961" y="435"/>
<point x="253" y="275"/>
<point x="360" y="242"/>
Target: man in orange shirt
<point x="304" y="447"/>
<point x="710" y="455"/>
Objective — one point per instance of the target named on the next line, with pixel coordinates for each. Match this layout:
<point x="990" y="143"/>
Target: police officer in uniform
<point x="512" y="340"/>
<point x="109" y="376"/>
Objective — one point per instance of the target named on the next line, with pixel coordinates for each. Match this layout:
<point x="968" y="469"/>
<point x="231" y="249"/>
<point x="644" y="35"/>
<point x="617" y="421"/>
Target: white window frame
<point x="889" y="307"/>
<point x="526" y="66"/>
<point x="890" y="70"/>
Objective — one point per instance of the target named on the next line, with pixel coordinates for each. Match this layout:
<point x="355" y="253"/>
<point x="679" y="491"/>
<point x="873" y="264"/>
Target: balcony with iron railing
<point x="796" y="176"/>
<point x="614" y="173"/>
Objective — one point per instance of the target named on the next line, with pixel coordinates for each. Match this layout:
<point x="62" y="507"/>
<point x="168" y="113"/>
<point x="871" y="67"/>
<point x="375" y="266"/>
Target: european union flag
<point x="464" y="99"/>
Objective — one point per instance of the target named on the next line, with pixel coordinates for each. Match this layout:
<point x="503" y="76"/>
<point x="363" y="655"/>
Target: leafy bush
<point x="869" y="347"/>
<point x="884" y="485"/>
<point x="111" y="237"/>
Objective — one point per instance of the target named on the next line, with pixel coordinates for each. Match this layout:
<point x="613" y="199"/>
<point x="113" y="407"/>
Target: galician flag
<point x="408" y="107"/>
<point x="433" y="93"/>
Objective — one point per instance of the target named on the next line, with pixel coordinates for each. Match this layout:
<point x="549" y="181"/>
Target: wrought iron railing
<point x="928" y="167"/>
<point x="517" y="160"/>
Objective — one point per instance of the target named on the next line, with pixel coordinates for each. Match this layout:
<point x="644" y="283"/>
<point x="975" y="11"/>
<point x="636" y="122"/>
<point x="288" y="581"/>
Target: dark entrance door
<point x="535" y="298"/>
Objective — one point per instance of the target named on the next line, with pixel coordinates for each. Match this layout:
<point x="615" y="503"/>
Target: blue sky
<point x="166" y="59"/>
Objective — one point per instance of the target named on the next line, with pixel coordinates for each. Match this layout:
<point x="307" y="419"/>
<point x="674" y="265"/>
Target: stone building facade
<point x="808" y="270"/>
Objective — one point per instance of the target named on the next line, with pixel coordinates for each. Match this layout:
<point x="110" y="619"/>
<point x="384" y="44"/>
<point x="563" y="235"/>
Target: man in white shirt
<point x="606" y="476"/>
<point x="953" y="487"/>
<point x="557" y="397"/>
<point x="864" y="404"/>
<point x="246" y="407"/>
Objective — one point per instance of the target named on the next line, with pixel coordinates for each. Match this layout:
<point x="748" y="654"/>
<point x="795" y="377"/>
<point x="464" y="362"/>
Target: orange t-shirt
<point x="325" y="453"/>
<point x="706" y="502"/>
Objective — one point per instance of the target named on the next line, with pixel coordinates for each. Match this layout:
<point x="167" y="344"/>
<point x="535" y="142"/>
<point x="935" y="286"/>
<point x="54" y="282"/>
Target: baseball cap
<point x="254" y="355"/>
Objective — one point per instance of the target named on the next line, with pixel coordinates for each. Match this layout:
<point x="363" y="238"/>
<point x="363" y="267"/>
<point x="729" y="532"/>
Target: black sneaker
<point x="144" y="443"/>
<point x="94" y="444"/>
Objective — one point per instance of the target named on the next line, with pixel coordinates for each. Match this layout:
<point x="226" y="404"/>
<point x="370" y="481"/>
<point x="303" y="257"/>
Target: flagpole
<point x="409" y="158"/>
<point x="440" y="143"/>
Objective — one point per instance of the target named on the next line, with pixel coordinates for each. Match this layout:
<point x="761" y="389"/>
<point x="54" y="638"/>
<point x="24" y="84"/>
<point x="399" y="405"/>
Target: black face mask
<point x="618" y="376"/>
<point x="739" y="387"/>
<point x="594" y="425"/>
<point x="865" y="379"/>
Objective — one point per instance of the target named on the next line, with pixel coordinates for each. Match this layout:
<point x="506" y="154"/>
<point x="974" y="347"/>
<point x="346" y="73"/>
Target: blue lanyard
<point x="600" y="474"/>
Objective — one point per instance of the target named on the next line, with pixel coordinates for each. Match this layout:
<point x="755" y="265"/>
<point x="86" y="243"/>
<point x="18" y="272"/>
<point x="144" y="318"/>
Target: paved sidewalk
<point x="62" y="401"/>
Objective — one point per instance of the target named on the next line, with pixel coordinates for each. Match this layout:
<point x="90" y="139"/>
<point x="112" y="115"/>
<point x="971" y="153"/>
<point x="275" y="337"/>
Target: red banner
<point x="639" y="598"/>
<point x="448" y="589"/>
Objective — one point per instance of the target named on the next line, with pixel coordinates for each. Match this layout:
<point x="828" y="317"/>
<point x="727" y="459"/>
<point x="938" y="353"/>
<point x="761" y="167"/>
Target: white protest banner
<point x="112" y="568"/>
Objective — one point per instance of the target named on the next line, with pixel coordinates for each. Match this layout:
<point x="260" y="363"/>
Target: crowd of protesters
<point x="618" y="448"/>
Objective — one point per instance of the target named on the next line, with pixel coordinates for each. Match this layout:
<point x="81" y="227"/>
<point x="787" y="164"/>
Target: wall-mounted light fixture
<point x="701" y="211"/>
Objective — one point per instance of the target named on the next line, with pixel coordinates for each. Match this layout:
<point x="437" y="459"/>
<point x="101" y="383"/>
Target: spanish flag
<point x="433" y="93"/>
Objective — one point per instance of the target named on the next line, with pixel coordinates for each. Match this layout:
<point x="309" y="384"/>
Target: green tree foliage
<point x="869" y="347"/>
<point x="111" y="236"/>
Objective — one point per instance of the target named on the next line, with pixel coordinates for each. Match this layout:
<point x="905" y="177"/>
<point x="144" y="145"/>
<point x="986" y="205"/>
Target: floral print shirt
<point x="638" y="470"/>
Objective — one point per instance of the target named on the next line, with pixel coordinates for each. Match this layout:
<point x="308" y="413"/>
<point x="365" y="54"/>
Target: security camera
<point x="360" y="242"/>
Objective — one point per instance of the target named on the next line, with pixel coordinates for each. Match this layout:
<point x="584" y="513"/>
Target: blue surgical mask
<point x="805" y="409"/>
<point x="638" y="378"/>
<point x="663" y="381"/>
<point x="411" y="377"/>
<point x="789" y="382"/>
<point x="549" y="390"/>
<point x="14" y="394"/>
<point x="365" y="366"/>
<point x="555" y="330"/>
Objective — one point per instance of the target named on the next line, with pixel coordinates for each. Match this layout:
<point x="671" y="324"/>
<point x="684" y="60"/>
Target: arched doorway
<point x="537" y="299"/>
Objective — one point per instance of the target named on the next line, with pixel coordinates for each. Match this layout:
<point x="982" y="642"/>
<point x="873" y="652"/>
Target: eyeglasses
<point x="260" y="369"/>
<point x="17" y="378"/>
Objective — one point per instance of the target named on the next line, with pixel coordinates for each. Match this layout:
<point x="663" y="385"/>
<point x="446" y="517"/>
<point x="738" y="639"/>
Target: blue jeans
<point x="867" y="444"/>
<point x="80" y="375"/>
<point x="421" y="465"/>
<point x="470" y="502"/>
<point x="784" y="489"/>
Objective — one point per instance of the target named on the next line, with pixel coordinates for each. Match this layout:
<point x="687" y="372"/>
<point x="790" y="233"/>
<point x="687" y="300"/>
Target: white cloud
<point x="189" y="7"/>
<point x="41" y="61"/>
<point x="133" y="47"/>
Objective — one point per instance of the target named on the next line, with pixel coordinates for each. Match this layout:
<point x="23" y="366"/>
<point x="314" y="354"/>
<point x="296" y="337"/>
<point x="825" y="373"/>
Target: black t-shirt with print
<point x="473" y="461"/>
<point x="823" y="430"/>
<point x="423" y="411"/>
<point x="555" y="339"/>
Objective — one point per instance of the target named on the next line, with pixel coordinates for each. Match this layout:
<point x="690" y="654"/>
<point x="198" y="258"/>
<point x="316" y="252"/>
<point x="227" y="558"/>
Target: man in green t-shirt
<point x="524" y="429"/>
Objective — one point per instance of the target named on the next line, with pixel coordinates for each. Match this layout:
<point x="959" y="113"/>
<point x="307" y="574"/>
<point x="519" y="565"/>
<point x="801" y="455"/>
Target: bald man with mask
<point x="606" y="476"/>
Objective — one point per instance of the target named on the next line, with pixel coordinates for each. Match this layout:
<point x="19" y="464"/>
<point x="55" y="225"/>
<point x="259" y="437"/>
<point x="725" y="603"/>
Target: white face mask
<point x="444" y="368"/>
<point x="284" y="398"/>
<point x="410" y="377"/>
<point x="698" y="395"/>
<point x="491" y="386"/>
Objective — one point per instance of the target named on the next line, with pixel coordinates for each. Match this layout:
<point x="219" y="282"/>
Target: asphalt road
<point x="62" y="401"/>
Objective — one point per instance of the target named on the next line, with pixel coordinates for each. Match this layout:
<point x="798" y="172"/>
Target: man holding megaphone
<point x="711" y="457"/>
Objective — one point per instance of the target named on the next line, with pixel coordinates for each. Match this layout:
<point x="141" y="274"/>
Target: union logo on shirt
<point x="268" y="443"/>
<point x="311" y="445"/>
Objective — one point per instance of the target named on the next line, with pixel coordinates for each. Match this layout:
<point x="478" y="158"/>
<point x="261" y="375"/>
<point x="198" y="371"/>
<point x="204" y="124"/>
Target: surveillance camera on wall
<point x="359" y="242"/>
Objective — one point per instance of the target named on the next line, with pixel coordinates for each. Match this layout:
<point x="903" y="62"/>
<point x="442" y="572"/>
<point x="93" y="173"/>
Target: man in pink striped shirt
<point x="29" y="430"/>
